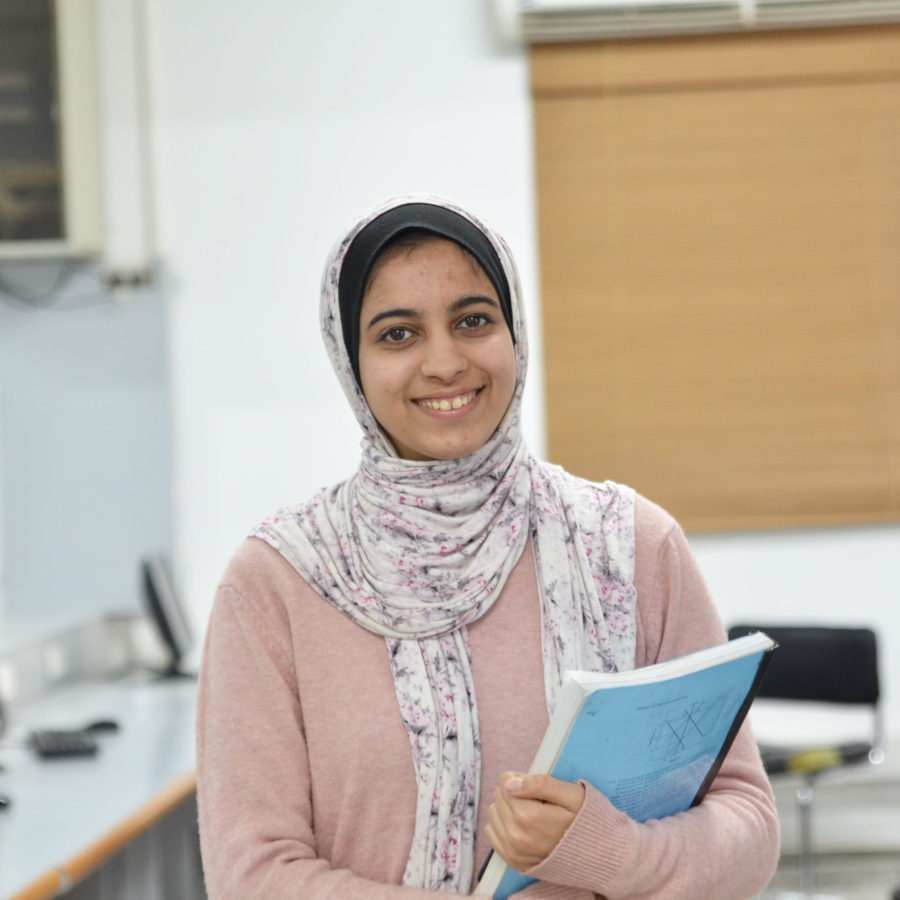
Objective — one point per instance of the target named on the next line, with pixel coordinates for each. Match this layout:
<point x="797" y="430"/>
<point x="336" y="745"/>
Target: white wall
<point x="3" y="600"/>
<point x="275" y="124"/>
<point x="84" y="444"/>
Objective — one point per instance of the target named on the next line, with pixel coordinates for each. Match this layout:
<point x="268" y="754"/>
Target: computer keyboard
<point x="57" y="743"/>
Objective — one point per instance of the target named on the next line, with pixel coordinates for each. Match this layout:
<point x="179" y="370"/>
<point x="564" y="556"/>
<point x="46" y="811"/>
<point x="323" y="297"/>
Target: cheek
<point x="379" y="379"/>
<point x="368" y="372"/>
<point x="383" y="385"/>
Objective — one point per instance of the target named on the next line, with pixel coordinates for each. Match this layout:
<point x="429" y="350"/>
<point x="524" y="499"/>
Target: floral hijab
<point x="415" y="551"/>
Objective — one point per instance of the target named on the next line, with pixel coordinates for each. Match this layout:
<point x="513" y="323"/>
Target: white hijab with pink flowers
<point x="415" y="551"/>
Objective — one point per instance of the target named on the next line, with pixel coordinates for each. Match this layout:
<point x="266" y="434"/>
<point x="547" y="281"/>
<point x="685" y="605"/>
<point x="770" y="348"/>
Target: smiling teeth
<point x="447" y="405"/>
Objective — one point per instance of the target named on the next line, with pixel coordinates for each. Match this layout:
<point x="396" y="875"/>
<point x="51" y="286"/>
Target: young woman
<point x="380" y="661"/>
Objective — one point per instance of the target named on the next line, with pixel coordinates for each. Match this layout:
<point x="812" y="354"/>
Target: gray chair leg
<point x="807" y="874"/>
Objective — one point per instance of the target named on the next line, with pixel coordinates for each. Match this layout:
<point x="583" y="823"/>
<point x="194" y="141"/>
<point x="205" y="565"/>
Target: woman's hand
<point x="529" y="816"/>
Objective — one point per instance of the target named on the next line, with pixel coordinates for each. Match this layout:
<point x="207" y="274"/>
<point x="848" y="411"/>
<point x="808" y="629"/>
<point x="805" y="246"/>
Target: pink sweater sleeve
<point x="724" y="849"/>
<point x="256" y="816"/>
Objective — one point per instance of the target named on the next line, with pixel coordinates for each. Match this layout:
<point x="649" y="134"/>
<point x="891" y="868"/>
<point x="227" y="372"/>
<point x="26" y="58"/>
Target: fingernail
<point x="514" y="784"/>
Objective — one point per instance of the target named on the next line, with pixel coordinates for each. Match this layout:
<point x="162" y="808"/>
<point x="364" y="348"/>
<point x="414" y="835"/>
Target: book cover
<point x="652" y="739"/>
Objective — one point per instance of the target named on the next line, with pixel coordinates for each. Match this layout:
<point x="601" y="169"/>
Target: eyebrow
<point x="407" y="313"/>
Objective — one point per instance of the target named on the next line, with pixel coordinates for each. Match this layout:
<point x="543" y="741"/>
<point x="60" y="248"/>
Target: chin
<point x="443" y="452"/>
<point x="457" y="451"/>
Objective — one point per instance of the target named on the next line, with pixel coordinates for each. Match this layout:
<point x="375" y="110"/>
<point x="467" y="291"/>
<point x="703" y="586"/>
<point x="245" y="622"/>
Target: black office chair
<point x="820" y="664"/>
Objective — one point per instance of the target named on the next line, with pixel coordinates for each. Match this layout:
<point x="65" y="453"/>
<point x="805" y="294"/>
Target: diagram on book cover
<point x="676" y="743"/>
<point x="684" y="728"/>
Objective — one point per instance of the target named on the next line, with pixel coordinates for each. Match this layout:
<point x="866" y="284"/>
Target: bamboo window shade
<point x="719" y="230"/>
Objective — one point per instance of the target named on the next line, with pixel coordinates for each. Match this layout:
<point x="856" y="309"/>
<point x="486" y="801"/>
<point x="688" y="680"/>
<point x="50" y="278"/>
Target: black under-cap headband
<point x="374" y="237"/>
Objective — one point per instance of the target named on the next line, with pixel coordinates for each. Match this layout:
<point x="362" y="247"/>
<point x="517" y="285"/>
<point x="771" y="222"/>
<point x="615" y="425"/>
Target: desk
<point x="70" y="816"/>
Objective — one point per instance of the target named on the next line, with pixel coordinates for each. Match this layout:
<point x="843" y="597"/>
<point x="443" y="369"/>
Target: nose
<point x="443" y="359"/>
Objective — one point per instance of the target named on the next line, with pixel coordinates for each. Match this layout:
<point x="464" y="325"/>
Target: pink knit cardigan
<point x="305" y="782"/>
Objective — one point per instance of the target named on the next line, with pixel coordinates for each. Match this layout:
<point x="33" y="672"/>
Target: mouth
<point x="446" y="404"/>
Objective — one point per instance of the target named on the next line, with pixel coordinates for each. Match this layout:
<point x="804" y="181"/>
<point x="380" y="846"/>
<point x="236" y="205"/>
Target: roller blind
<point x="719" y="227"/>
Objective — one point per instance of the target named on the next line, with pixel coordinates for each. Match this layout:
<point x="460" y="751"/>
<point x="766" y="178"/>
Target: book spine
<point x="736" y="724"/>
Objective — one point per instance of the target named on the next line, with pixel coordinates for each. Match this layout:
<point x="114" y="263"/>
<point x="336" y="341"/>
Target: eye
<point x="475" y="320"/>
<point x="396" y="334"/>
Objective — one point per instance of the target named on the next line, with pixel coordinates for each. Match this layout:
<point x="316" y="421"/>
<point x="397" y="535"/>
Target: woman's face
<point x="436" y="359"/>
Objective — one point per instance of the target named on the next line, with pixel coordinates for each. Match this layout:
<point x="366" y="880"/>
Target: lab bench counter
<point x="69" y="817"/>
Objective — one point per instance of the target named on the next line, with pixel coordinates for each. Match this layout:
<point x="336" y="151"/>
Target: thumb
<point x="547" y="789"/>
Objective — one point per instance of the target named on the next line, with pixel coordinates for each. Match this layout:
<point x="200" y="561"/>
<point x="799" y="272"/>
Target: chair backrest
<point x="819" y="663"/>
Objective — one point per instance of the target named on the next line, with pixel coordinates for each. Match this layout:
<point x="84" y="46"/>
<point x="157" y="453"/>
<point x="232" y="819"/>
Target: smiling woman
<point x="436" y="357"/>
<point x="380" y="661"/>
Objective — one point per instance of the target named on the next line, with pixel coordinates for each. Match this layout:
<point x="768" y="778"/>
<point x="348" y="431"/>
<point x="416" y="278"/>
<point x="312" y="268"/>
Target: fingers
<point x="529" y="816"/>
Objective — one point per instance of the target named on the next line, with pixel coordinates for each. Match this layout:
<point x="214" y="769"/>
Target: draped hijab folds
<point x="415" y="551"/>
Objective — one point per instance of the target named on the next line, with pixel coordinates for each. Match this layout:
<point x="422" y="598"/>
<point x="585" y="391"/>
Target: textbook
<point x="652" y="739"/>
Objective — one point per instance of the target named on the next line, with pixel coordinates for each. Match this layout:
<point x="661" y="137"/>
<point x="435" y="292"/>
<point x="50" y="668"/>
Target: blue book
<point x="652" y="739"/>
